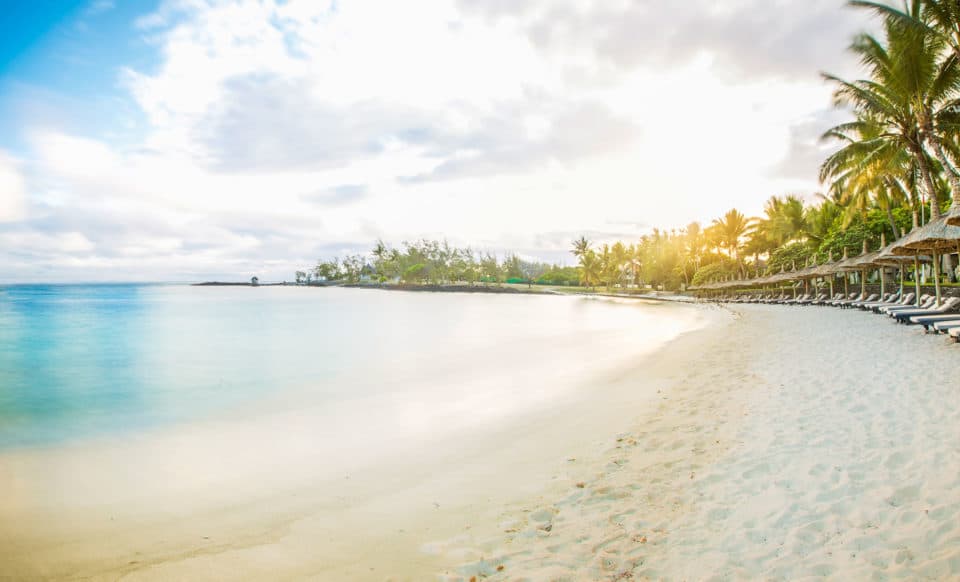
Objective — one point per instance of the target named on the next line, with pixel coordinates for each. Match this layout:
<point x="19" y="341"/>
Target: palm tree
<point x="730" y="230"/>
<point x="867" y="172"/>
<point x="910" y="95"/>
<point x="590" y="268"/>
<point x="581" y="246"/>
<point x="695" y="243"/>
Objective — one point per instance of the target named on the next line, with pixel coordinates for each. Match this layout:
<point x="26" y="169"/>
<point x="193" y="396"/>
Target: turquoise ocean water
<point x="88" y="361"/>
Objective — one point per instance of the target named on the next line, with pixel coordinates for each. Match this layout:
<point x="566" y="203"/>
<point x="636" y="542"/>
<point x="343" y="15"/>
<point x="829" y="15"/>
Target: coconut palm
<point x="938" y="20"/>
<point x="590" y="268"/>
<point x="730" y="231"/>
<point x="911" y="93"/>
<point x="581" y="246"/>
<point x="867" y="171"/>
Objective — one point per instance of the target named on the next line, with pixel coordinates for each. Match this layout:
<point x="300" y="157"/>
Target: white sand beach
<point x="775" y="443"/>
<point x="792" y="443"/>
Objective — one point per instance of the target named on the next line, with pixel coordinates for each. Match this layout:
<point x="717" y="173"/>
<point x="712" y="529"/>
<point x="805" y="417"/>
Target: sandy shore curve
<point x="792" y="443"/>
<point x="774" y="443"/>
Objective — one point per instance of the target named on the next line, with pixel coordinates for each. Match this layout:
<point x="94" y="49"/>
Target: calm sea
<point x="90" y="361"/>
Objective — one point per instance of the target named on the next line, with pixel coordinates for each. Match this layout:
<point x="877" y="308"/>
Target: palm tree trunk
<point x="954" y="180"/>
<point x="903" y="275"/>
<point x="936" y="276"/>
<point x="921" y="155"/>
<point x="916" y="276"/>
<point x="893" y="223"/>
<point x="948" y="169"/>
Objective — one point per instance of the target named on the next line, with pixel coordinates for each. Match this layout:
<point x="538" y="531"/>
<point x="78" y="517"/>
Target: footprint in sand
<point x="896" y="460"/>
<point x="904" y="495"/>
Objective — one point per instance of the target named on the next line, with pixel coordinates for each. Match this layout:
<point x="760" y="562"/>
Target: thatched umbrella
<point x="827" y="269"/>
<point x="792" y="276"/>
<point x="953" y="217"/>
<point x="841" y="267"/>
<point x="807" y="274"/>
<point x="935" y="237"/>
<point x="779" y="277"/>
<point x="764" y="281"/>
<point x="852" y="265"/>
<point x="888" y="258"/>
<point x="866" y="261"/>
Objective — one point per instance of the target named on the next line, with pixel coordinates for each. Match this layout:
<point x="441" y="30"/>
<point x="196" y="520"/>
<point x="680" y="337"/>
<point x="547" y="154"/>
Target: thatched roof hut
<point x="953" y="217"/>
<point x="827" y="268"/>
<point x="838" y="266"/>
<point x="935" y="237"/>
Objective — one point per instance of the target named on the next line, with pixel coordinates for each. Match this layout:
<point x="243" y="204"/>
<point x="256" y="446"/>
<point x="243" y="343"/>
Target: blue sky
<point x="180" y="140"/>
<point x="61" y="63"/>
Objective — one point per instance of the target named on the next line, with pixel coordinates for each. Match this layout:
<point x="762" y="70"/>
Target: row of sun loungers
<point x="905" y="309"/>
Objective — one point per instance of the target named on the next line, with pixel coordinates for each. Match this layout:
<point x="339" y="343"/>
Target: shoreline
<point x="771" y="443"/>
<point x="511" y="289"/>
<point x="394" y="507"/>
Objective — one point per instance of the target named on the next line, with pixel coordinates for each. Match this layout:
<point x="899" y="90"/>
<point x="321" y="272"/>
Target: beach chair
<point x="903" y="302"/>
<point x="926" y="301"/>
<point x="828" y="300"/>
<point x="812" y="300"/>
<point x="904" y="316"/>
<point x="859" y="302"/>
<point x="851" y="297"/>
<point x="797" y="300"/>
<point x="929" y="321"/>
<point x="845" y="302"/>
<point x="946" y="326"/>
<point x="887" y="297"/>
<point x="891" y="299"/>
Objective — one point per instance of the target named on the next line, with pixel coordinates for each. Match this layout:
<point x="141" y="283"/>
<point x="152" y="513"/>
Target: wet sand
<point x="270" y="495"/>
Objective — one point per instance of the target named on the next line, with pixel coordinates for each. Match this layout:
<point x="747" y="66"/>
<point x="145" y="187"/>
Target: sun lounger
<point x="798" y="300"/>
<point x="860" y="302"/>
<point x="925" y="302"/>
<point x="946" y="326"/>
<point x="887" y="298"/>
<point x="955" y="333"/>
<point x="812" y="299"/>
<point x="949" y="305"/>
<point x="829" y="300"/>
<point x="847" y="302"/>
<point x="851" y="297"/>
<point x="928" y="321"/>
<point x="905" y="300"/>
<point x="895" y="300"/>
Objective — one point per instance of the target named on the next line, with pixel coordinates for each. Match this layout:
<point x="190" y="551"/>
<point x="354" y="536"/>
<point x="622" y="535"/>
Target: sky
<point x="187" y="140"/>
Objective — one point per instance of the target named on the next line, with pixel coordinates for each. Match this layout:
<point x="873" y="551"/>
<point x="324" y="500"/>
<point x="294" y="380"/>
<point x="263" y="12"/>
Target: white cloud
<point x="278" y="132"/>
<point x="13" y="195"/>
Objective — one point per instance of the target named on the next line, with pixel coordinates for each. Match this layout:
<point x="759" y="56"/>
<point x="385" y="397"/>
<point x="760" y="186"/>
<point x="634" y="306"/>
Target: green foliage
<point x="567" y="276"/>
<point x="434" y="262"/>
<point x="719" y="271"/>
<point x="794" y="254"/>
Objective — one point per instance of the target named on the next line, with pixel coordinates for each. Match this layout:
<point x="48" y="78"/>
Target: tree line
<point x="436" y="262"/>
<point x="895" y="167"/>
